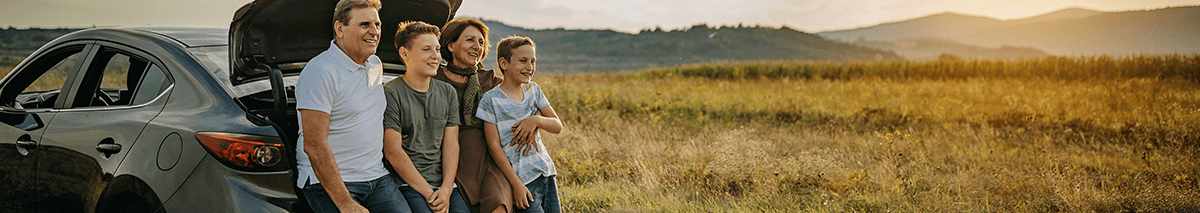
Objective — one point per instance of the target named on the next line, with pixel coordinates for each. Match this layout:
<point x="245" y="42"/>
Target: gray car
<point x="158" y="119"/>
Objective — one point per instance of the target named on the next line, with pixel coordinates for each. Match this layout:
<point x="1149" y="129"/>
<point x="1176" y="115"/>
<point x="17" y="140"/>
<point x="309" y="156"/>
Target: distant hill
<point x="942" y="25"/>
<point x="563" y="50"/>
<point x="1069" y="31"/>
<point x="1170" y="30"/>
<point x="929" y="48"/>
<point x="16" y="44"/>
<point x="1064" y="14"/>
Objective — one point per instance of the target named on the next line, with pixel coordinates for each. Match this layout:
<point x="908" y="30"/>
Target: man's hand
<point x="351" y="207"/>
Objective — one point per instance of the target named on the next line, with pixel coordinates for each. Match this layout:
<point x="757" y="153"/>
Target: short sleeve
<point x="540" y="100"/>
<point x="391" y="114"/>
<point x="485" y="111"/>
<point x="315" y="89"/>
<point x="453" y="116"/>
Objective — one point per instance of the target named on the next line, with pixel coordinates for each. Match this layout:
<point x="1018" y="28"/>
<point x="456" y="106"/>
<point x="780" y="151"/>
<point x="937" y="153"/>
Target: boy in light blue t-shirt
<point x="518" y="105"/>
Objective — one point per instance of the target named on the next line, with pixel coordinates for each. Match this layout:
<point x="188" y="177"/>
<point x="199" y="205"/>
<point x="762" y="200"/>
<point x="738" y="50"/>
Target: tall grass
<point x="1175" y="66"/>
<point x="5" y="69"/>
<point x="978" y="135"/>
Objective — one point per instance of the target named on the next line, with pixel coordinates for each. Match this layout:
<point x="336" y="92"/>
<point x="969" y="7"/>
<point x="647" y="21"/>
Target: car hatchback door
<point x="112" y="99"/>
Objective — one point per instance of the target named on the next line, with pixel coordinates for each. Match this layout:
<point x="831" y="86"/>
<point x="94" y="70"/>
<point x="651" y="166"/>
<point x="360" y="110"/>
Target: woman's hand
<point x="524" y="133"/>
<point x="521" y="196"/>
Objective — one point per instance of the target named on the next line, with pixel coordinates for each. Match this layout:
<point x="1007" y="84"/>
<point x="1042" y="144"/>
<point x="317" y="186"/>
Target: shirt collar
<point x="344" y="61"/>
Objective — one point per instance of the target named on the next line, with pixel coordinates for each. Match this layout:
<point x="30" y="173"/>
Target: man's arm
<point x="316" y="131"/>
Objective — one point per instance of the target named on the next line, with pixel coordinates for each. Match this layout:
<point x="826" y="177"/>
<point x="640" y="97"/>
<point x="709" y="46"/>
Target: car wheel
<point x="128" y="203"/>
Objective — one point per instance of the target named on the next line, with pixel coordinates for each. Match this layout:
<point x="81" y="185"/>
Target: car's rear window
<point x="216" y="60"/>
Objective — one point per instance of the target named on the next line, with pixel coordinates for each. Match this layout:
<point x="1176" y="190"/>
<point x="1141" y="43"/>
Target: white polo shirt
<point x="352" y="94"/>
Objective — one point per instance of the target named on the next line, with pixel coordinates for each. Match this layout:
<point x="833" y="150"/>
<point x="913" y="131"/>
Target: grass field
<point x="1057" y="134"/>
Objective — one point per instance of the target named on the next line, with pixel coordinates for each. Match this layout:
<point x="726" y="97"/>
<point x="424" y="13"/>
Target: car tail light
<point x="245" y="152"/>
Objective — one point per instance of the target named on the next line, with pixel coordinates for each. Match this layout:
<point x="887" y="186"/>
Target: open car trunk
<point x="287" y="33"/>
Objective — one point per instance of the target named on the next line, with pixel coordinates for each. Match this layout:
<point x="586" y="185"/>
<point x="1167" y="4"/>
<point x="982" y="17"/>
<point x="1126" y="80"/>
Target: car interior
<point x="39" y="84"/>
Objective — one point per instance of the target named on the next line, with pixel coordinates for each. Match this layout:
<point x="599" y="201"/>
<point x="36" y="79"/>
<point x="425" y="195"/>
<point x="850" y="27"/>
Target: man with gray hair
<point x="340" y="100"/>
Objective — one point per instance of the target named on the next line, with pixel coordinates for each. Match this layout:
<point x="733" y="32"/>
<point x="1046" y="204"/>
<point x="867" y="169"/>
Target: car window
<point x="110" y="80"/>
<point x="216" y="60"/>
<point x="38" y="84"/>
<point x="56" y="76"/>
<point x="154" y="84"/>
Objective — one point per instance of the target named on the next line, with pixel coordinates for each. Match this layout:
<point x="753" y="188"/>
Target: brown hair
<point x="341" y="12"/>
<point x="506" y="46"/>
<point x="453" y="30"/>
<point x="409" y="30"/>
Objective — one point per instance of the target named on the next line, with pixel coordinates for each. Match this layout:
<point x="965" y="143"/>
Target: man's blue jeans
<point x="379" y="195"/>
<point x="545" y="196"/>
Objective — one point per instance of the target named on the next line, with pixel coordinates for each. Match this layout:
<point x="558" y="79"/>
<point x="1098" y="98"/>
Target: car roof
<point x="191" y="36"/>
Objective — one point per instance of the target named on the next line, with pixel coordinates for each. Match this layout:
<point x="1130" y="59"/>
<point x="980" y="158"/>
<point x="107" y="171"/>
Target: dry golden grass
<point x="666" y="141"/>
<point x="4" y="69"/>
<point x="57" y="76"/>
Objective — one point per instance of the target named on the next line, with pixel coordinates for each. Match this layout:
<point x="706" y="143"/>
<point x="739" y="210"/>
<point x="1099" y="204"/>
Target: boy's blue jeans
<point x="545" y="196"/>
<point x="379" y="195"/>
<point x="418" y="205"/>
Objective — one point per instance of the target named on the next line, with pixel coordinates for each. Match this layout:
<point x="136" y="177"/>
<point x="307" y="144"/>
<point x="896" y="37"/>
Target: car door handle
<point x="109" y="148"/>
<point x="26" y="144"/>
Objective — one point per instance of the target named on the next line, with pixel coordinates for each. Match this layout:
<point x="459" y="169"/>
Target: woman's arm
<point x="521" y="195"/>
<point x="525" y="132"/>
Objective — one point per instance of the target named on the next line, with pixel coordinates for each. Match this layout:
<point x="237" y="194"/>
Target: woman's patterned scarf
<point x="470" y="99"/>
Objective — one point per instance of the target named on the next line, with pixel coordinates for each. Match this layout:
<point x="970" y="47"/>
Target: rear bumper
<point x="213" y="187"/>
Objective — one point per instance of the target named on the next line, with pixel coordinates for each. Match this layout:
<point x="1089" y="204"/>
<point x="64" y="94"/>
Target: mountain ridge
<point x="914" y="28"/>
<point x="1069" y="31"/>
<point x="569" y="50"/>
<point x="1062" y="14"/>
<point x="1168" y="30"/>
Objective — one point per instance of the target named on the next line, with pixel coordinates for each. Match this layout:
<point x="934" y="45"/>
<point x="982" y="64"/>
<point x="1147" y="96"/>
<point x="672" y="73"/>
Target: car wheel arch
<point x="126" y="190"/>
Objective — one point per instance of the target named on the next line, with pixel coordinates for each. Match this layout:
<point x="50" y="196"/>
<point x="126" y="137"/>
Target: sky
<point x="621" y="15"/>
